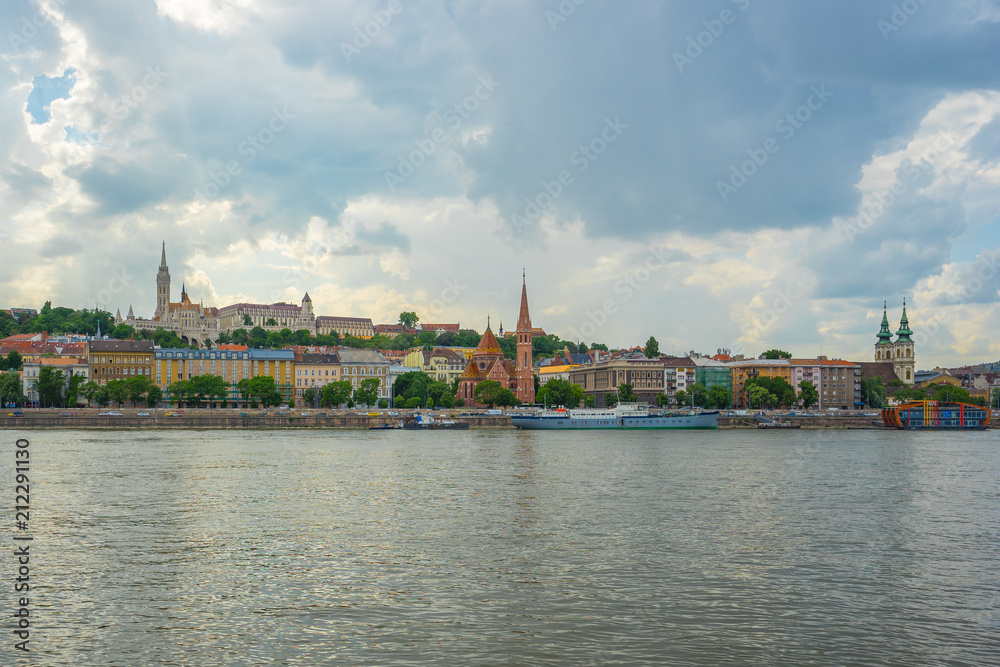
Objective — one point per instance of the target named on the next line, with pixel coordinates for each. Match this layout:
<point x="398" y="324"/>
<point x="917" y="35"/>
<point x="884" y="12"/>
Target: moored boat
<point x="937" y="416"/>
<point x="624" y="416"/>
<point x="427" y="422"/>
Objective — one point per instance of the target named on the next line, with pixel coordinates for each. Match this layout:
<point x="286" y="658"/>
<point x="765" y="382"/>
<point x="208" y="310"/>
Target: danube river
<point x="500" y="547"/>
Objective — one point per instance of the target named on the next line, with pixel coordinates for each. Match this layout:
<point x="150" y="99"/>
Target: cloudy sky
<point x="739" y="174"/>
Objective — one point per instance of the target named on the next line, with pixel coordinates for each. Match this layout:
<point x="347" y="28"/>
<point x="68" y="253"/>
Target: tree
<point x="367" y="391"/>
<point x="154" y="396"/>
<point x="808" y="394"/>
<point x="103" y="397"/>
<point x="872" y="391"/>
<point x="560" y="392"/>
<point x="50" y="385"/>
<point x="506" y="398"/>
<point x="408" y="319"/>
<point x="14" y="361"/>
<point x="223" y="339"/>
<point x="652" y="349"/>
<point x="207" y="388"/>
<point x="662" y="400"/>
<point x="720" y="397"/>
<point x="270" y="322"/>
<point x="73" y="392"/>
<point x="309" y="396"/>
<point x="625" y="393"/>
<point x="247" y="321"/>
<point x="137" y="387"/>
<point x="760" y="396"/>
<point x="426" y="339"/>
<point x="240" y="337"/>
<point x="180" y="391"/>
<point x="123" y="332"/>
<point x="777" y="354"/>
<point x="383" y="403"/>
<point x="611" y="399"/>
<point x="699" y="396"/>
<point x="681" y="396"/>
<point x="336" y="394"/>
<point x="118" y="392"/>
<point x="90" y="390"/>
<point x="243" y="387"/>
<point x="582" y="348"/>
<point x="412" y="403"/>
<point x="487" y="392"/>
<point x="264" y="390"/>
<point x="10" y="389"/>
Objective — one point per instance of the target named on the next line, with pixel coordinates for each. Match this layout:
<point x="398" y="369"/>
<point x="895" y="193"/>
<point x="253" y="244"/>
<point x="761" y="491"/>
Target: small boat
<point x="383" y="427"/>
<point x="426" y="422"/>
<point x="937" y="416"/>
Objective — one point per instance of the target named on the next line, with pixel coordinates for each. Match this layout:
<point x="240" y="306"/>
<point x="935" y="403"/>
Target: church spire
<point x="163" y="256"/>
<point x="904" y="332"/>
<point x="524" y="319"/>
<point x="884" y="334"/>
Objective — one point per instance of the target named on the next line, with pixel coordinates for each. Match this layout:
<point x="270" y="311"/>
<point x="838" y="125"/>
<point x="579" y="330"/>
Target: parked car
<point x="143" y="414"/>
<point x="392" y="414"/>
<point x="110" y="414"/>
<point x="16" y="413"/>
<point x="243" y="414"/>
<point x="172" y="414"/>
<point x="306" y="414"/>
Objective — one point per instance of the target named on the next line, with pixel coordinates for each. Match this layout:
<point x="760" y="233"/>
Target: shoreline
<point x="199" y="420"/>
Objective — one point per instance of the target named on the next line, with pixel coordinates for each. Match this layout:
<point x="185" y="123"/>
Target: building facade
<point x="69" y="366"/>
<point x="314" y="371"/>
<point x="647" y="377"/>
<point x="232" y="365"/>
<point x="359" y="364"/>
<point x="119" y="359"/>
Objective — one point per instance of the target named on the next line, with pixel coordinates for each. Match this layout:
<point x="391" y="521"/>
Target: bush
<point x="382" y="403"/>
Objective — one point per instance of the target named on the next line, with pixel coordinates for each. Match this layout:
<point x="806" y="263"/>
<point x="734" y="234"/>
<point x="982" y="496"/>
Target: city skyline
<point x="734" y="174"/>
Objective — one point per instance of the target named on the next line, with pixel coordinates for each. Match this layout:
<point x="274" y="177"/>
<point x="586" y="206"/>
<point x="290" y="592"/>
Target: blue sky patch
<point x="44" y="90"/>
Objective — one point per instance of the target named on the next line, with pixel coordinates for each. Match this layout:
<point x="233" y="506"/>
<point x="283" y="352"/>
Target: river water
<point x="733" y="547"/>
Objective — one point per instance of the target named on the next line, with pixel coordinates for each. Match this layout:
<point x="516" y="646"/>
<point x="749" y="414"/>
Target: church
<point x="899" y="352"/>
<point x="488" y="362"/>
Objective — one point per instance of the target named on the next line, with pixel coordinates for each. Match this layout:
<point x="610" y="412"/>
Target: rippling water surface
<point x="513" y="548"/>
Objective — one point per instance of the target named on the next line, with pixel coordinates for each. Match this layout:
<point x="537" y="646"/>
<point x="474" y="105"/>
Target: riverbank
<point x="232" y="419"/>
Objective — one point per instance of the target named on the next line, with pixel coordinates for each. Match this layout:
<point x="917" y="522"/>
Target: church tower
<point x="524" y="374"/>
<point x="883" y="347"/>
<point x="902" y="350"/>
<point x="163" y="287"/>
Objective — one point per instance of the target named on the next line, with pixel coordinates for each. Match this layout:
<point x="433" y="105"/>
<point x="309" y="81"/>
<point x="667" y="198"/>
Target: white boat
<point x="624" y="416"/>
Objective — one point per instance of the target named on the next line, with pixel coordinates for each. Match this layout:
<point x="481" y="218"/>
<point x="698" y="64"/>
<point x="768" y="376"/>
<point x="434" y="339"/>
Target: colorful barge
<point x="937" y="416"/>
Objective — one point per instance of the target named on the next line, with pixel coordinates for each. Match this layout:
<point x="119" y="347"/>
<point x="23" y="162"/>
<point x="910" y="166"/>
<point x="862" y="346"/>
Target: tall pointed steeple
<point x="163" y="256"/>
<point x="162" y="287"/>
<point x="524" y="372"/>
<point x="884" y="334"/>
<point x="904" y="332"/>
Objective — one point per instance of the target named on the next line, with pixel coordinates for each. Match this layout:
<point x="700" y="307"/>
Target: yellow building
<point x="314" y="371"/>
<point x="442" y="363"/>
<point x="119" y="359"/>
<point x="232" y="363"/>
<point x="753" y="368"/>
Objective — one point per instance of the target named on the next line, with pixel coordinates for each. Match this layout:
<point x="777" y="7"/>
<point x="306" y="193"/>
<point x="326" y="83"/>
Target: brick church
<point x="488" y="363"/>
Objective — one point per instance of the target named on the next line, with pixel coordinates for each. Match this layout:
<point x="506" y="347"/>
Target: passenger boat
<point x="937" y="416"/>
<point x="624" y="416"/>
<point x="426" y="422"/>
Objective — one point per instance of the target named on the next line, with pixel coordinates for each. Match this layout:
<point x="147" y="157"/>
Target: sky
<point x="737" y="174"/>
